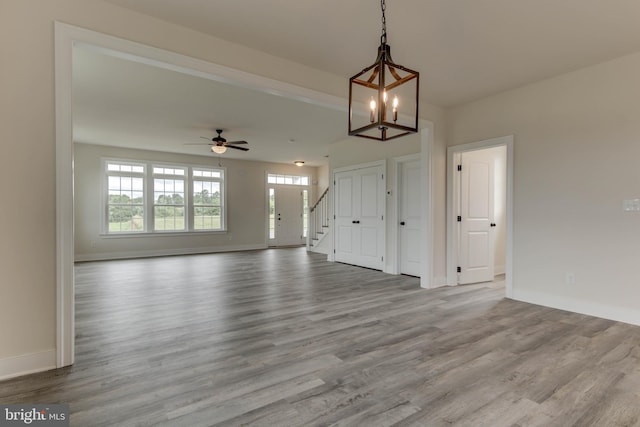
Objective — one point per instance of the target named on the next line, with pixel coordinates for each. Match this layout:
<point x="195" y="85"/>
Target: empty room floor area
<point x="282" y="337"/>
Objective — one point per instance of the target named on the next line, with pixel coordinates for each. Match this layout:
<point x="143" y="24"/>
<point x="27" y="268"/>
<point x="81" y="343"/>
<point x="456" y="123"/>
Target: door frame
<point x="394" y="217"/>
<point x="301" y="188"/>
<point x="67" y="36"/>
<point x="453" y="154"/>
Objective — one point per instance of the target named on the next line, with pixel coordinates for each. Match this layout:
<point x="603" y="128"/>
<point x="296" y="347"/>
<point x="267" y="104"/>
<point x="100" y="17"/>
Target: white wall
<point x="246" y="206"/>
<point x="577" y="145"/>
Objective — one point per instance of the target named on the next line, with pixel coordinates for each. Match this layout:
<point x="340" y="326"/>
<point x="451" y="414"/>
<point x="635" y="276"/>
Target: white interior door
<point x="359" y="217"/>
<point x="410" y="218"/>
<point x="476" y="244"/>
<point x="288" y="216"/>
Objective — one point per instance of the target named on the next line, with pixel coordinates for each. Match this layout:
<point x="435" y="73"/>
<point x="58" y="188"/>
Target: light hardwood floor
<point x="283" y="338"/>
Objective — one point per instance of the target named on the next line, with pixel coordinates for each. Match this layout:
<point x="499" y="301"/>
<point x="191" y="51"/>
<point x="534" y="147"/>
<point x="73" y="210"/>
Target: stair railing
<point x="318" y="219"/>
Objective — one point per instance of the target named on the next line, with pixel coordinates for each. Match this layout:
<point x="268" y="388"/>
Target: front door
<point x="286" y="216"/>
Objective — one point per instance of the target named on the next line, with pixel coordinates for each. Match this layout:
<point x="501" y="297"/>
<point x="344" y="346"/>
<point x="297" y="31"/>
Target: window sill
<point x="162" y="234"/>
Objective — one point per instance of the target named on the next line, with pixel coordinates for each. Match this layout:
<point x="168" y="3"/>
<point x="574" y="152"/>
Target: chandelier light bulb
<point x="395" y="108"/>
<point x="372" y="106"/>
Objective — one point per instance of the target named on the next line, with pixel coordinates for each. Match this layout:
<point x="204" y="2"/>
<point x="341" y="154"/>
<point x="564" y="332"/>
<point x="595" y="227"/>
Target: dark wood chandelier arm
<point x="366" y="84"/>
<point x="374" y="74"/>
<point x="394" y="73"/>
<point x="401" y="81"/>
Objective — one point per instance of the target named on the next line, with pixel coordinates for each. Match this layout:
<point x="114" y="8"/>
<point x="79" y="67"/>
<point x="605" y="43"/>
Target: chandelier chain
<point x="383" y="37"/>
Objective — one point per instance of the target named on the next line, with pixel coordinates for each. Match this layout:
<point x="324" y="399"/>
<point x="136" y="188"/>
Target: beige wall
<point x="576" y="151"/>
<point x="246" y="205"/>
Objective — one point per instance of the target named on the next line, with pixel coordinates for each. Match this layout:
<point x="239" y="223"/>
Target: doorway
<point x="66" y="38"/>
<point x="287" y="207"/>
<point x="479" y="226"/>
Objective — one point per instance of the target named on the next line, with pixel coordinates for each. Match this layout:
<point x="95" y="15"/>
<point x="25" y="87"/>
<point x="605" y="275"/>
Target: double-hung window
<point x="207" y="199"/>
<point x="168" y="198"/>
<point x="125" y="197"/>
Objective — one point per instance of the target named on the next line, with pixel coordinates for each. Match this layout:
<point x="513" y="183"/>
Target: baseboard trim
<point x="576" y="306"/>
<point x="25" y="364"/>
<point x="105" y="256"/>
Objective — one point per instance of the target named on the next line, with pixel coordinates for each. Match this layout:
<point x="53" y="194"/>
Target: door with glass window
<point x="286" y="216"/>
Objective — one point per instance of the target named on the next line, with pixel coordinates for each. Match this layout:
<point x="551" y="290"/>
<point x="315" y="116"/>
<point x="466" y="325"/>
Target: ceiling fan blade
<point x="204" y="137"/>
<point x="197" y="143"/>
<point x="237" y="148"/>
<point x="237" y="142"/>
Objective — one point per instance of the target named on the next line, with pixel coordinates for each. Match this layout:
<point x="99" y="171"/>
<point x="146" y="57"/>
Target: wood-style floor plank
<point x="284" y="338"/>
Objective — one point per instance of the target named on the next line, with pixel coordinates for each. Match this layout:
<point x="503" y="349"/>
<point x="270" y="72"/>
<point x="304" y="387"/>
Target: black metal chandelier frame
<point x="383" y="77"/>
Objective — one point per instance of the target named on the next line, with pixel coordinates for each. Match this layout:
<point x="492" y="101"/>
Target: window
<point x="287" y="179"/>
<point x="207" y="199"/>
<point x="125" y="197"/>
<point x="142" y="197"/>
<point x="168" y="199"/>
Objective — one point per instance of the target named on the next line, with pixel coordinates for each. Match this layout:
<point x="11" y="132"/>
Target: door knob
<point x="493" y="224"/>
<point x="401" y="222"/>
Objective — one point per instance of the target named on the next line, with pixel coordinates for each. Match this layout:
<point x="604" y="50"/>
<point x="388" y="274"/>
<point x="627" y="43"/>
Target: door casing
<point x="452" y="259"/>
<point x="291" y="196"/>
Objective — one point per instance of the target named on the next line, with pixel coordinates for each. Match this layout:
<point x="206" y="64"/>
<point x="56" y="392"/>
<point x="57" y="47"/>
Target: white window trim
<point x="104" y="220"/>
<point x="149" y="199"/>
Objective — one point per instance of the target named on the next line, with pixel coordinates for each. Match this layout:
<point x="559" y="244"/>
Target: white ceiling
<point x="130" y="104"/>
<point x="464" y="50"/>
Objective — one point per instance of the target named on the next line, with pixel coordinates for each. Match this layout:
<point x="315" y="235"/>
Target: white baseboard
<point x="583" y="307"/>
<point x="164" y="252"/>
<point x="498" y="269"/>
<point x="25" y="364"/>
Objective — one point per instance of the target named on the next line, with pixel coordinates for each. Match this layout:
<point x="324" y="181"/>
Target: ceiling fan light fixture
<point x="219" y="149"/>
<point x="370" y="89"/>
<point x="299" y="163"/>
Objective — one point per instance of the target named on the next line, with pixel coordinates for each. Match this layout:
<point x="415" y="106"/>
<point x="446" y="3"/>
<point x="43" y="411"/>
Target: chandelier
<point x="388" y="92"/>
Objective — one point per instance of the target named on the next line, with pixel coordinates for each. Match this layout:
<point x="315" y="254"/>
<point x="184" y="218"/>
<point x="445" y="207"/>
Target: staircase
<point x="318" y="236"/>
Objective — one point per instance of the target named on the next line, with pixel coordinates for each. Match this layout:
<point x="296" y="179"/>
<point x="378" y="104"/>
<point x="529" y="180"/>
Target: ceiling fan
<point x="219" y="145"/>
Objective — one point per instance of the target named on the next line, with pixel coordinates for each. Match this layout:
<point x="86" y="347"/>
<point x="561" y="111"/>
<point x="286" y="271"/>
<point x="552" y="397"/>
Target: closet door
<point x="359" y="216"/>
